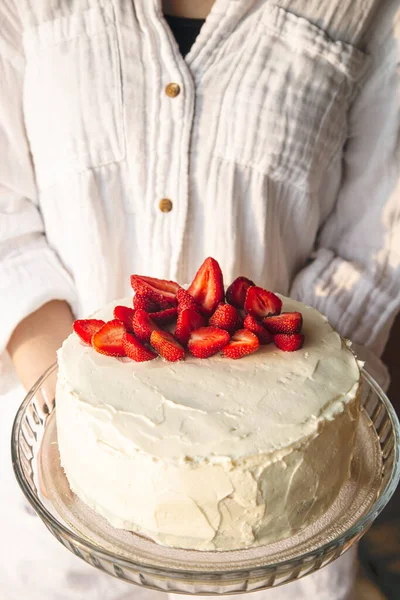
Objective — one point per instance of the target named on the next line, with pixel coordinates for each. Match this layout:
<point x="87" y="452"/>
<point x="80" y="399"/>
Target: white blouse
<point x="273" y="146"/>
<point x="277" y="150"/>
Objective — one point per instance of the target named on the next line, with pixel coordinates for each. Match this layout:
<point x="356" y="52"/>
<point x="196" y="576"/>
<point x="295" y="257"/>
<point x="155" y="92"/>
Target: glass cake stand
<point x="375" y="474"/>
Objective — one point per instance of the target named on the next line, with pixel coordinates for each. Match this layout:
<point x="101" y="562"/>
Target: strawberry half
<point x="260" y="303"/>
<point x="289" y="342"/>
<point x="143" y="325"/>
<point x="125" y="314"/>
<point x="243" y="342"/>
<point x="206" y="341"/>
<point x="159" y="290"/>
<point x="167" y="346"/>
<point x="145" y="303"/>
<point x="264" y="336"/>
<point x="135" y="349"/>
<point x="186" y="300"/>
<point x="188" y="320"/>
<point x="86" y="328"/>
<point x="109" y="339"/>
<point x="236" y="292"/>
<point x="225" y="317"/>
<point x="207" y="287"/>
<point x="286" y="322"/>
<point x="166" y="316"/>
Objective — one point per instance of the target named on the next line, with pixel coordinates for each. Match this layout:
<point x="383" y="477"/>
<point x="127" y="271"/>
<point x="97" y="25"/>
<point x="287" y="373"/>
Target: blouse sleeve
<point x="354" y="275"/>
<point x="31" y="274"/>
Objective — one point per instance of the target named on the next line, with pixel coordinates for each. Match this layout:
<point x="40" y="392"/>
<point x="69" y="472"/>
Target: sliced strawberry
<point x="143" y="325"/>
<point x="225" y="317"/>
<point x="135" y="349"/>
<point x="264" y="336"/>
<point x="167" y="346"/>
<point x="166" y="316"/>
<point x="125" y="314"/>
<point x="260" y="303"/>
<point x="109" y="339"/>
<point x="286" y="322"/>
<point x="289" y="342"/>
<point x="145" y="303"/>
<point x="243" y="342"/>
<point x="207" y="287"/>
<point x="186" y="300"/>
<point x="152" y="288"/>
<point x="86" y="328"/>
<point x="236" y="292"/>
<point x="206" y="341"/>
<point x="188" y="320"/>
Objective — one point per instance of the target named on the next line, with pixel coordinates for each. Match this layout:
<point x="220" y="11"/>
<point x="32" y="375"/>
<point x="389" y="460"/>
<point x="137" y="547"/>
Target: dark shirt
<point x="185" y="31"/>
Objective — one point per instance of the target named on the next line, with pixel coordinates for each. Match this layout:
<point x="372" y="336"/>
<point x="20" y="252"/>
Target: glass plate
<point x="375" y="474"/>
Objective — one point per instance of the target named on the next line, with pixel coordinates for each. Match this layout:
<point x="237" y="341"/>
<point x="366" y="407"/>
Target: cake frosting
<point x="212" y="454"/>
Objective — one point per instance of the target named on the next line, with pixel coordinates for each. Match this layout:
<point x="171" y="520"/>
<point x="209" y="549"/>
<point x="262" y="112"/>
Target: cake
<point x="208" y="453"/>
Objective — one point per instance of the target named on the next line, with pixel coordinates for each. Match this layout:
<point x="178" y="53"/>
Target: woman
<point x="273" y="146"/>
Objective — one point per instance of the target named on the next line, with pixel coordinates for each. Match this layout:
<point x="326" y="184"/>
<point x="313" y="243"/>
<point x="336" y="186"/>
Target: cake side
<point x="215" y="454"/>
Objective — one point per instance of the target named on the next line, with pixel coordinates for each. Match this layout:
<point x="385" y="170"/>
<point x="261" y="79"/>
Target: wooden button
<point x="165" y="205"/>
<point x="172" y="90"/>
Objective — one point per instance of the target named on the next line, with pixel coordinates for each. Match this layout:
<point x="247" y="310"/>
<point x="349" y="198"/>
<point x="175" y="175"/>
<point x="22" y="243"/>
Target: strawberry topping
<point x="243" y="342"/>
<point x="136" y="350"/>
<point x="236" y="292"/>
<point x="143" y="325"/>
<point x="186" y="300"/>
<point x="125" y="314"/>
<point x="289" y="342"/>
<point x="206" y="341"/>
<point x="109" y="339"/>
<point x="286" y="322"/>
<point x="152" y="288"/>
<point x="167" y="346"/>
<point x="264" y="336"/>
<point x="188" y="320"/>
<point x="260" y="303"/>
<point x="145" y="303"/>
<point x="225" y="317"/>
<point x="207" y="287"/>
<point x="86" y="328"/>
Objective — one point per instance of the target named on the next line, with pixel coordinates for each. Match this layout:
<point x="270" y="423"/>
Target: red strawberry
<point x="159" y="290"/>
<point x="167" y="346"/>
<point x="206" y="341"/>
<point x="109" y="339"/>
<point x="242" y="342"/>
<point x="260" y="303"/>
<point x="163" y="317"/>
<point x="188" y="320"/>
<point x="225" y="317"/>
<point x="236" y="292"/>
<point x="264" y="336"/>
<point x="286" y="322"/>
<point x="143" y="325"/>
<point x="186" y="300"/>
<point x="145" y="304"/>
<point x="86" y="328"/>
<point x="125" y="314"/>
<point x="135" y="349"/>
<point x="207" y="287"/>
<point x="289" y="342"/>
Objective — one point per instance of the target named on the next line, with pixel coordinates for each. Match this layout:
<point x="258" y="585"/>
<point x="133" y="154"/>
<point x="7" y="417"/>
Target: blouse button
<point x="172" y="90"/>
<point x="165" y="205"/>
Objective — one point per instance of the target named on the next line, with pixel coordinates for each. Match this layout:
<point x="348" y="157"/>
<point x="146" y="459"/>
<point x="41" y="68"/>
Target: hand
<point x="35" y="341"/>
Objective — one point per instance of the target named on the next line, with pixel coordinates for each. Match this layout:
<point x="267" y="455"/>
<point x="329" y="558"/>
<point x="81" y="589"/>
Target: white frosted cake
<point x="213" y="454"/>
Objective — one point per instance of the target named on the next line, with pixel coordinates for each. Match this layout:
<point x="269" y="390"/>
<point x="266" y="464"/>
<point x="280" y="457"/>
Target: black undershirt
<point x="185" y="31"/>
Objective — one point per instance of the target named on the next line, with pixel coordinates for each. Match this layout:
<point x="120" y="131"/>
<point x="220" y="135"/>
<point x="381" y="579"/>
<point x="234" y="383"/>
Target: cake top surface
<point x="219" y="408"/>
